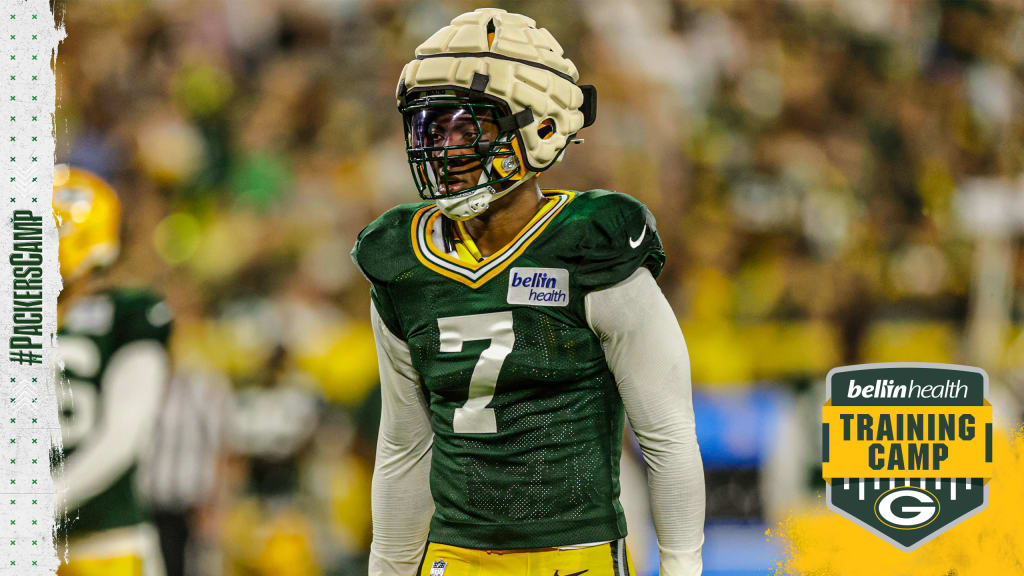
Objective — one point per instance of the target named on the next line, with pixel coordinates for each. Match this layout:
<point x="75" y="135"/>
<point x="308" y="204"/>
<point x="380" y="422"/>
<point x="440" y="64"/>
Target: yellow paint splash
<point x="819" y="542"/>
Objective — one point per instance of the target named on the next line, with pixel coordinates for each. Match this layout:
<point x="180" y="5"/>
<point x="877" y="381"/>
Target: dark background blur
<point x="835" y="182"/>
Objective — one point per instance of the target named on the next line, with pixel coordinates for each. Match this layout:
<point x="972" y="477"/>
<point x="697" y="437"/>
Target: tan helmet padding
<point x="519" y="85"/>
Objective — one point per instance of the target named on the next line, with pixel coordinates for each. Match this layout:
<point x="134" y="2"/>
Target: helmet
<point x="493" y="93"/>
<point x="88" y="220"/>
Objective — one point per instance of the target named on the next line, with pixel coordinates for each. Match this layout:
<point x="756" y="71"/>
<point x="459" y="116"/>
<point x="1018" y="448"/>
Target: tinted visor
<point x="451" y="127"/>
<point x="452" y="143"/>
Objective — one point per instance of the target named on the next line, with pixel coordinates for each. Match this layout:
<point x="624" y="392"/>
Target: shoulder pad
<point x="140" y="314"/>
<point x="382" y="251"/>
<point x="618" y="234"/>
<point x="384" y="246"/>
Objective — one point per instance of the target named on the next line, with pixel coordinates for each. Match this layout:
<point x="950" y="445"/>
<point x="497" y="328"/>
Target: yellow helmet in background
<point x="88" y="221"/>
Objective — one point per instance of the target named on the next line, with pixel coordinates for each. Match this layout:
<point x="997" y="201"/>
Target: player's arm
<point x="402" y="504"/>
<point x="132" y="387"/>
<point x="646" y="352"/>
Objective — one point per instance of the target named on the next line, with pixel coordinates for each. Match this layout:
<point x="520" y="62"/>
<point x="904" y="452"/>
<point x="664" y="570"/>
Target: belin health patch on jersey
<point x="907" y="447"/>
<point x="538" y="286"/>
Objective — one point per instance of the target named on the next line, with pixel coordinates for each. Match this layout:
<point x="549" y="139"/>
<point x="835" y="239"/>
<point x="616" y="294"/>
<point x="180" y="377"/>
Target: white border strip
<point x="28" y="405"/>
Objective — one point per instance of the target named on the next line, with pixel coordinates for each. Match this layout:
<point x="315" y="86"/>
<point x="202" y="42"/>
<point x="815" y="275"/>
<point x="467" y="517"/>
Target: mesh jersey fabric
<point x="547" y="474"/>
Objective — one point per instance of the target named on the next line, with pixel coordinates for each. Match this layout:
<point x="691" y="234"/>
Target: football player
<point x="516" y="327"/>
<point x="113" y="345"/>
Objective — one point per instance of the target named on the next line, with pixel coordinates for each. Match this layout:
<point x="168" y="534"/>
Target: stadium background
<point x="835" y="182"/>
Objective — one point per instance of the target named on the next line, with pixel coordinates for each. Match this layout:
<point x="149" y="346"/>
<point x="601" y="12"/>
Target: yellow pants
<point x="610" y="559"/>
<point x="119" y="566"/>
<point x="130" y="551"/>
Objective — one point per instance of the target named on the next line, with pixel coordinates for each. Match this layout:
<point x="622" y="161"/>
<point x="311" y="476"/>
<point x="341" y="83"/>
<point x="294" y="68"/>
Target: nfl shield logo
<point x="437" y="569"/>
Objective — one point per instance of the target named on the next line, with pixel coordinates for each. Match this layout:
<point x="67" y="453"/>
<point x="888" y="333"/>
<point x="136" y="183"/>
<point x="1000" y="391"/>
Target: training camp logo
<point x="907" y="447"/>
<point x="538" y="286"/>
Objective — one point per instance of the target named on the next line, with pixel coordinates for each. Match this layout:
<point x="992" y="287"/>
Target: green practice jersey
<point x="526" y="415"/>
<point x="92" y="332"/>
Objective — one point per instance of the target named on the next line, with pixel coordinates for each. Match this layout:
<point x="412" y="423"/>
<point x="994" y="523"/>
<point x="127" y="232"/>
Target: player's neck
<point x="505" y="218"/>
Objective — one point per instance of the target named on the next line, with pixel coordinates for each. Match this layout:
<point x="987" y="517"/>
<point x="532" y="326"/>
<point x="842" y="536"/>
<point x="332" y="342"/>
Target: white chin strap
<point x="476" y="202"/>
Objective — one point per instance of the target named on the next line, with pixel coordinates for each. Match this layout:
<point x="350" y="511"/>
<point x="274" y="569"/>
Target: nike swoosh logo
<point x="574" y="573"/>
<point x="634" y="244"/>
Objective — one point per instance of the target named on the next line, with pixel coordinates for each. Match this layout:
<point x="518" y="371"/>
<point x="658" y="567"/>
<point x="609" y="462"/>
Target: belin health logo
<point x="538" y="286"/>
<point x="907" y="447"/>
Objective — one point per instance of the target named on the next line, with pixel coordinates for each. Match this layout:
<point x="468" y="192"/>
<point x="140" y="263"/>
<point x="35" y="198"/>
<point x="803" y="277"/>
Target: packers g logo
<point x="906" y="508"/>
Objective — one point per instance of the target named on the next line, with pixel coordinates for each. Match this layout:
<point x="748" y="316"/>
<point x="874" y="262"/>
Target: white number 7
<point x="474" y="417"/>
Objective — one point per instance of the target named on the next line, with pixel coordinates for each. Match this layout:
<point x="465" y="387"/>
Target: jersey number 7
<point x="474" y="417"/>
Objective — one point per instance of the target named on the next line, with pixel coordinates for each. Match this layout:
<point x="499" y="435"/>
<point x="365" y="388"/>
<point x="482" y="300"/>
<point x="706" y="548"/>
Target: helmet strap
<point x="515" y="121"/>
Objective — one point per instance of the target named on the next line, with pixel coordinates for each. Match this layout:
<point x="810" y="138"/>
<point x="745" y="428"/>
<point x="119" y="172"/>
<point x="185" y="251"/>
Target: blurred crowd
<point x="835" y="182"/>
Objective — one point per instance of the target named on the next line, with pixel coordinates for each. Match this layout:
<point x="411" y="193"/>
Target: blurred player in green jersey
<point x="516" y="327"/>
<point x="113" y="346"/>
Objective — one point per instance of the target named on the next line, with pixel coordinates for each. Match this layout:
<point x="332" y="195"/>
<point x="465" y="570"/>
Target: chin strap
<point x="477" y="202"/>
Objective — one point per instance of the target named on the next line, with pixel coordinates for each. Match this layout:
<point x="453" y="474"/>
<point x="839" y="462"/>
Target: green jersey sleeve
<point x="620" y="237"/>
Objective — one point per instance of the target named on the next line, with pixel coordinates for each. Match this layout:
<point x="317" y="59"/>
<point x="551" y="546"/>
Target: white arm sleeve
<point x="402" y="505"/>
<point x="645" y="350"/>
<point x="133" y="384"/>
